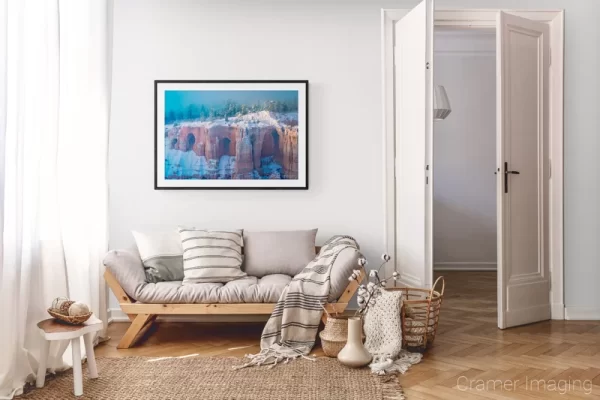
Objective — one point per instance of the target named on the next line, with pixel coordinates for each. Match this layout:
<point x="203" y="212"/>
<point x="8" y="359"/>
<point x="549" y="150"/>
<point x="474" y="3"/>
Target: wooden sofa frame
<point x="142" y="315"/>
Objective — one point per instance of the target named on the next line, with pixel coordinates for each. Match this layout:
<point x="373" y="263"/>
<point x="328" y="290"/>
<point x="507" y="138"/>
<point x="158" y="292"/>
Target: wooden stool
<point x="51" y="329"/>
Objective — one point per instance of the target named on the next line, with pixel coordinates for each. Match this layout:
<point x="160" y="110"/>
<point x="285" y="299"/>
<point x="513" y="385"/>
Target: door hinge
<point x="427" y="174"/>
<point x="427" y="65"/>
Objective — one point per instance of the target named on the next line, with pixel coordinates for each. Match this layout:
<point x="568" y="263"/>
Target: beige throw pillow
<point x="285" y="252"/>
<point x="211" y="256"/>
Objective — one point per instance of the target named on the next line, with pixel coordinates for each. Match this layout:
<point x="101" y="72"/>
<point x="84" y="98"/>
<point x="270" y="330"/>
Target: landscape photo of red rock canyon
<point x="231" y="134"/>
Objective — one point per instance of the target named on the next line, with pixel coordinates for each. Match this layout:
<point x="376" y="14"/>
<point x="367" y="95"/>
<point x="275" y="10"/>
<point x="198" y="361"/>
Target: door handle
<point x="506" y="172"/>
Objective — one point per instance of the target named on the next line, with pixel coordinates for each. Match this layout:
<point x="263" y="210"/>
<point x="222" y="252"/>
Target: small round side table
<point x="51" y="329"/>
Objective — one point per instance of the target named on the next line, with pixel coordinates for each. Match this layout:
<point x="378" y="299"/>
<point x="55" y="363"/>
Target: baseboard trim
<point x="582" y="313"/>
<point x="465" y="266"/>
<point x="557" y="311"/>
<point x="117" y="315"/>
<point x="109" y="316"/>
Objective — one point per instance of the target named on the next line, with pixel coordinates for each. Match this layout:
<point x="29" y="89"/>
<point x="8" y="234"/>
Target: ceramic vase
<point x="354" y="354"/>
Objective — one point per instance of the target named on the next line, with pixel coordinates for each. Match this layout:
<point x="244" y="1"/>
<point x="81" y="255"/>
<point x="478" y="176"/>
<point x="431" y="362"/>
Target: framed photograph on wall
<point x="231" y="134"/>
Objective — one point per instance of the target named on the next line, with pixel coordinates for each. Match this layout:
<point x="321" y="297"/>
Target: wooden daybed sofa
<point x="143" y="302"/>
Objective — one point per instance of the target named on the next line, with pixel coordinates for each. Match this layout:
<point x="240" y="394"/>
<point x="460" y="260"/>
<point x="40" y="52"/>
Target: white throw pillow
<point x="211" y="256"/>
<point x="161" y="254"/>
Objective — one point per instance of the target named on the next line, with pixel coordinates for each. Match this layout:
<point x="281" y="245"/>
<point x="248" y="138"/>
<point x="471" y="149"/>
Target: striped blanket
<point x="291" y="330"/>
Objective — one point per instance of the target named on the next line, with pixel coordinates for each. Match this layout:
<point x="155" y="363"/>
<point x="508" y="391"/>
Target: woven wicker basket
<point x="420" y="315"/>
<point x="73" y="320"/>
<point x="335" y="335"/>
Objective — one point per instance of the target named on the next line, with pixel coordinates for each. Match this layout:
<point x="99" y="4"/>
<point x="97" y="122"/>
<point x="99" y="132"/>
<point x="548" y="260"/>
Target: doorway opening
<point x="529" y="160"/>
<point x="464" y="156"/>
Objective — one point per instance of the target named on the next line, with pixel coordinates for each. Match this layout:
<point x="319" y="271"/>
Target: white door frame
<point x="485" y="18"/>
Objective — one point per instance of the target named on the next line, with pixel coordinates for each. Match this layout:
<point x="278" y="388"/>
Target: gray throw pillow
<point x="161" y="255"/>
<point x="285" y="252"/>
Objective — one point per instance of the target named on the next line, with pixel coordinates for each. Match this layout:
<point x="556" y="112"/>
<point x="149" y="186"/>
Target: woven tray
<point x="73" y="320"/>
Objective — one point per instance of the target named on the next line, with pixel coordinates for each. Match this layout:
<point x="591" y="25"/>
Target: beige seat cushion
<point x="127" y="268"/>
<point x="244" y="290"/>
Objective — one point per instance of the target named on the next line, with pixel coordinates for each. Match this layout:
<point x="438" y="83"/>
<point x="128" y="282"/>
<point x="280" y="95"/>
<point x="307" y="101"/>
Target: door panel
<point x="413" y="59"/>
<point x="523" y="123"/>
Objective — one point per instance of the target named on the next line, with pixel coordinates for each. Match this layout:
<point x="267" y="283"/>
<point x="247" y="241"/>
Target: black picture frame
<point x="305" y="181"/>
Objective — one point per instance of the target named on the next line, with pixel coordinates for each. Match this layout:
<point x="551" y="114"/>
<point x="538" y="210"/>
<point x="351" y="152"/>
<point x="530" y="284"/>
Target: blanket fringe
<point x="274" y="355"/>
<point x="392" y="390"/>
<point x="385" y="364"/>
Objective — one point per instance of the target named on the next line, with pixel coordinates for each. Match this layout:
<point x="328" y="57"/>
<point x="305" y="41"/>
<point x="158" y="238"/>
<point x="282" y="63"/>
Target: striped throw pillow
<point x="211" y="256"/>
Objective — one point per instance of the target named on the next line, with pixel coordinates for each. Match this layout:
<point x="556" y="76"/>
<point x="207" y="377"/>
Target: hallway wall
<point x="464" y="195"/>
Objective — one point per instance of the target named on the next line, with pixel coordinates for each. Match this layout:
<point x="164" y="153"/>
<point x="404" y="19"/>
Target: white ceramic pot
<point x="354" y="354"/>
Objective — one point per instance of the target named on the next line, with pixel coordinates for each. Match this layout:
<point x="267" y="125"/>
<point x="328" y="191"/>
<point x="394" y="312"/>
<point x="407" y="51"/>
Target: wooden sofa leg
<point x="140" y="321"/>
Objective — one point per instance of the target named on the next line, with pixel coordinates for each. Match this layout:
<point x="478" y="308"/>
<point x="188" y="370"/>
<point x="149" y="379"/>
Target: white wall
<point x="337" y="50"/>
<point x="464" y="192"/>
<point x="336" y="45"/>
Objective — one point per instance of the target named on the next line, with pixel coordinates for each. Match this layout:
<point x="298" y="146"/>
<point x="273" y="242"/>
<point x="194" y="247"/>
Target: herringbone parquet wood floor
<point x="470" y="359"/>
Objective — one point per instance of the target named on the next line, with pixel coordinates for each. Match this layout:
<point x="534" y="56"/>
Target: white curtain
<point x="54" y="115"/>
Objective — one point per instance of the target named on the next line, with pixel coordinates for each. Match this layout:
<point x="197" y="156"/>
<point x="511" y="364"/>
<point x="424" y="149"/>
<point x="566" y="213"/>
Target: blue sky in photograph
<point x="176" y="100"/>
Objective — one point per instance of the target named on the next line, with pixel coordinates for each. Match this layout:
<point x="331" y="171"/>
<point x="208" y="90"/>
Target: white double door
<point x="523" y="168"/>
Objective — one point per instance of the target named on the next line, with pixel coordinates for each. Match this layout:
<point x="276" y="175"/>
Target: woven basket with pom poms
<point x="70" y="319"/>
<point x="60" y="311"/>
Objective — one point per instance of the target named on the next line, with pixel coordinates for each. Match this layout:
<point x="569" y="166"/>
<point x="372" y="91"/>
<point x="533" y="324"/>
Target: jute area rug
<point x="214" y="379"/>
